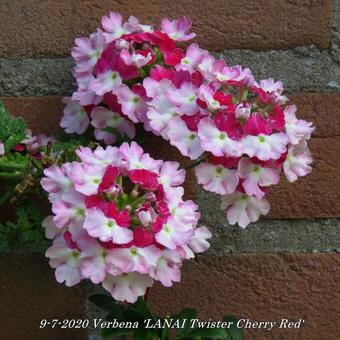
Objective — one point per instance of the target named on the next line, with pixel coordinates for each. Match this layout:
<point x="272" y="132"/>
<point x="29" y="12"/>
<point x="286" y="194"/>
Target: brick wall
<point x="285" y="266"/>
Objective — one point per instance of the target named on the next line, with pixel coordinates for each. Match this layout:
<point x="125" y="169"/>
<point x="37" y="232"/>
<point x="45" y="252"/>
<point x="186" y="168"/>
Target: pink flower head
<point x="296" y="129"/>
<point x="57" y="183"/>
<point x="243" y="209"/>
<point x="178" y="29"/>
<point x="265" y="147"/>
<point x="87" y="51"/>
<point x="170" y="176"/>
<point x="217" y="141"/>
<point x="135" y="259"/>
<point x="184" y="98"/>
<point x="199" y="242"/>
<point x="105" y="228"/>
<point x="114" y="26"/>
<point x="145" y="179"/>
<point x="135" y="158"/>
<point x="75" y="118"/>
<point x="242" y="110"/>
<point x="111" y="125"/>
<point x="136" y="59"/>
<point x="168" y="267"/>
<point x="185" y="140"/>
<point x="67" y="262"/>
<point x="297" y="162"/>
<point x="232" y="74"/>
<point x="86" y="178"/>
<point x="100" y="156"/>
<point x="217" y="178"/>
<point x="128" y="286"/>
<point x="133" y="105"/>
<point x="255" y="176"/>
<point x="193" y="57"/>
<point x="273" y="89"/>
<point x="256" y="124"/>
<point x="118" y="215"/>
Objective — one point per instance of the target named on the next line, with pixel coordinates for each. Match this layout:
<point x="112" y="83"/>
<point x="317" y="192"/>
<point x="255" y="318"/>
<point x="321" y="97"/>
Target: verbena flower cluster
<point x="31" y="144"/>
<point x="119" y="219"/>
<point x="239" y="129"/>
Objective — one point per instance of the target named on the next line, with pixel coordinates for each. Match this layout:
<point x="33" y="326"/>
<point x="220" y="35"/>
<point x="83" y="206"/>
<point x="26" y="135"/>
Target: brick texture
<point x="30" y="293"/>
<point x="318" y="194"/>
<point x="36" y="28"/>
<point x="261" y="288"/>
<point x="313" y="196"/>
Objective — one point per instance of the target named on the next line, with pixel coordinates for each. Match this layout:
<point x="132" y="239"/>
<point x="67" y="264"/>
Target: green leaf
<point x="215" y="333"/>
<point x="188" y="314"/>
<point x="143" y="309"/>
<point x="25" y="232"/>
<point x="164" y="333"/>
<point x="234" y="332"/>
<point x="12" y="129"/>
<point x="107" y="303"/>
<point x="131" y="314"/>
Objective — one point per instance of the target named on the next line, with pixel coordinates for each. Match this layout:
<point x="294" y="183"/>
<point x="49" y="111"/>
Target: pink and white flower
<point x="119" y="219"/>
<point x="256" y="176"/>
<point x="178" y="29"/>
<point x="87" y="51"/>
<point x="67" y="262"/>
<point x="296" y="129"/>
<point x="199" y="242"/>
<point x="135" y="158"/>
<point x="243" y="209"/>
<point x="167" y="269"/>
<point x="114" y="26"/>
<point x="57" y="182"/>
<point x="119" y="126"/>
<point x="133" y="105"/>
<point x="216" y="141"/>
<point x="135" y="259"/>
<point x="128" y="286"/>
<point x="192" y="59"/>
<point x="86" y="178"/>
<point x="135" y="73"/>
<point x="106" y="228"/>
<point x="298" y="162"/>
<point x="217" y="178"/>
<point x="265" y="147"/>
<point x="185" y="140"/>
<point x="75" y="118"/>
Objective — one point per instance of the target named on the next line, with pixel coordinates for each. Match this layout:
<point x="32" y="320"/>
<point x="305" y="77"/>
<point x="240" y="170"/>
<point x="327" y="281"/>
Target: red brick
<point x="34" y="28"/>
<point x="261" y="288"/>
<point x="30" y="293"/>
<point x="316" y="195"/>
<point x="42" y="114"/>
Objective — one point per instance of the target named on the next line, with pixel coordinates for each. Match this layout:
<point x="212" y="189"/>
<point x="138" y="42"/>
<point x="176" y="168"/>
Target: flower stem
<point x="6" y="196"/>
<point x="10" y="175"/>
<point x="8" y="165"/>
<point x="194" y="164"/>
